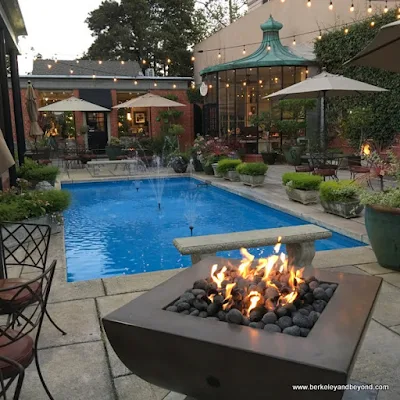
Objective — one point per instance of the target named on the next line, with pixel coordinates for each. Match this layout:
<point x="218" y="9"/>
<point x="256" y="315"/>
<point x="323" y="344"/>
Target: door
<point x="97" y="133"/>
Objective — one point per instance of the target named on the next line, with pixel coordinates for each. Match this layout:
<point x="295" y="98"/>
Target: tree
<point x="155" y="33"/>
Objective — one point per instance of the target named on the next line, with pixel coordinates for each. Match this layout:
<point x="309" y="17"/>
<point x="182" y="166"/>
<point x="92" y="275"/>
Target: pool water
<point x="113" y="229"/>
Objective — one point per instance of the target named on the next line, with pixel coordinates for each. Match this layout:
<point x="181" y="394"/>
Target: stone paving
<point x="83" y="366"/>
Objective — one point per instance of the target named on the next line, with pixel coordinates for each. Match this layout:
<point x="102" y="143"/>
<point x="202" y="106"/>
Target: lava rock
<point x="261" y="286"/>
<point x="185" y="312"/>
<point x="281" y="312"/>
<point x="213" y="308"/>
<point x="224" y="283"/>
<point x="310" y="279"/>
<point x="200" y="284"/>
<point x="252" y="288"/>
<point x="297" y="303"/>
<point x="246" y="321"/>
<point x="192" y="309"/>
<point x="221" y="316"/>
<point x="200" y="305"/>
<point x="271" y="293"/>
<point x="241" y="283"/>
<point x="319" y="305"/>
<point x="203" y="314"/>
<point x="292" y="330"/>
<point x="304" y="311"/>
<point x="256" y="325"/>
<point x="333" y="286"/>
<point x="319" y="294"/>
<point x="308" y="298"/>
<point x="313" y="317"/>
<point x="277" y="283"/>
<point x="234" y="316"/>
<point x="304" y="332"/>
<point x="188" y="298"/>
<point x="324" y="285"/>
<point x="195" y="313"/>
<point x="313" y="285"/>
<point x="308" y="307"/>
<point x="199" y="292"/>
<point x="256" y="315"/>
<point x="284" y="322"/>
<point x="218" y="299"/>
<point x="302" y="321"/>
<point x="272" y="328"/>
<point x="172" y="308"/>
<point x="212" y="288"/>
<point x="329" y="292"/>
<point x="269" y="318"/>
<point x="304" y="287"/>
<point x="290" y="307"/>
<point x="183" y="306"/>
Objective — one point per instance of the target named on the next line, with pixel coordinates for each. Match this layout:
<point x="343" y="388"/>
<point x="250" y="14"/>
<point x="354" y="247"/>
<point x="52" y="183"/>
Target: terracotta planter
<point x="252" y="180"/>
<point x="216" y="173"/>
<point x="303" y="196"/>
<point x="232" y="176"/>
<point x="383" y="228"/>
<point x="346" y="210"/>
<point x="250" y="158"/>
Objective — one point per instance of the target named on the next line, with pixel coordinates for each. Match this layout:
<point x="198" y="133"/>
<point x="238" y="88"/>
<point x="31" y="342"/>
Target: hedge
<point x="342" y="191"/>
<point x="253" y="169"/>
<point x="301" y="180"/>
<point x="227" y="164"/>
<point x="34" y="172"/>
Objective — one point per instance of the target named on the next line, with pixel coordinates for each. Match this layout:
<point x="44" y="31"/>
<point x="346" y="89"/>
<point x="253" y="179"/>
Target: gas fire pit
<point x="196" y="341"/>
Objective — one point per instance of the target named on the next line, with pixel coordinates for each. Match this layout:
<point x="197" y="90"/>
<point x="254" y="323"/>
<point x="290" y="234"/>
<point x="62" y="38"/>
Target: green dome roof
<point x="270" y="53"/>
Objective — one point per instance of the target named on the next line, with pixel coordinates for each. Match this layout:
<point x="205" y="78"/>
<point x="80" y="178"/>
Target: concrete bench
<point x="299" y="241"/>
<point x="128" y="164"/>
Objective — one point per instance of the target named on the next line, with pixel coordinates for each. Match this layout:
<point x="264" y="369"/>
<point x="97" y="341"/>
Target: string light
<point x="331" y="5"/>
<point x="308" y="3"/>
<point x="320" y="35"/>
<point x="115" y="79"/>
<point x="155" y="84"/>
<point x="260" y="82"/>
<point x="193" y="58"/>
<point x="227" y="85"/>
<point x="210" y="86"/>
<point x="370" y="7"/>
<point x="386" y="9"/>
<point x="168" y="61"/>
<point x="219" y="54"/>
<point x="269" y="47"/>
<point x="143" y="62"/>
<point x="244" y="50"/>
<point x="372" y="23"/>
<point x="135" y="82"/>
<point x="49" y="66"/>
<point x="244" y="83"/>
<point x="346" y="31"/>
<point x="100" y="62"/>
<point x="122" y="62"/>
<point x="174" y="86"/>
<point x="294" y="40"/>
<point x="94" y="76"/>
<point x="352" y="7"/>
<point x="71" y="71"/>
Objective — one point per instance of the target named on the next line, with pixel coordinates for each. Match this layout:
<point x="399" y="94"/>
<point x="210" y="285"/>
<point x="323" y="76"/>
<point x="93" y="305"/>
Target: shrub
<point x="388" y="198"/>
<point x="58" y="200"/>
<point x="301" y="181"/>
<point x="227" y="165"/>
<point x="342" y="191"/>
<point x="114" y="141"/>
<point x="253" y="169"/>
<point x="33" y="172"/>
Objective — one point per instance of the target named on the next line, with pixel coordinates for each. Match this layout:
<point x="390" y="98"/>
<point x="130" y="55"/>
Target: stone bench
<point x="128" y="164"/>
<point x="299" y="241"/>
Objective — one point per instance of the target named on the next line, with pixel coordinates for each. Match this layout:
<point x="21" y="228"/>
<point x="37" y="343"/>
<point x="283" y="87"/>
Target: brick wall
<point x="114" y="114"/>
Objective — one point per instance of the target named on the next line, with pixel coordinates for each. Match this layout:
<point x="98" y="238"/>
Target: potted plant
<point x="302" y="187"/>
<point x="42" y="149"/>
<point x="179" y="162"/>
<point x="114" y="148"/>
<point x="341" y="198"/>
<point x="34" y="173"/>
<point x="252" y="174"/>
<point x="227" y="168"/>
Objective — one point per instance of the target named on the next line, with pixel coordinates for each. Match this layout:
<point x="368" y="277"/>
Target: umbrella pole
<point x="323" y="121"/>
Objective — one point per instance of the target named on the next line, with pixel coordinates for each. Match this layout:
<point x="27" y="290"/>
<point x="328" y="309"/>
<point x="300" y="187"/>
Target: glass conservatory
<point x="236" y="89"/>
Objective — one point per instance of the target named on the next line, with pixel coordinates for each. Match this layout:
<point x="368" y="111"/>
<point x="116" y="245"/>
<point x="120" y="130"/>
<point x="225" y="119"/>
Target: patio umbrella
<point x="383" y="52"/>
<point x="6" y="158"/>
<point x="73" y="104"/>
<point x="323" y="86"/>
<point x="33" y="114"/>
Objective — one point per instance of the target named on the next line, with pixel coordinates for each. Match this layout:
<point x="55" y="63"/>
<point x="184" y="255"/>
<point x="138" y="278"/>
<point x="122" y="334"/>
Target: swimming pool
<point x="113" y="229"/>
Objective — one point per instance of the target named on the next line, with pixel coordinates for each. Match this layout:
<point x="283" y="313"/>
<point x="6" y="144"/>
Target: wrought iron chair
<point x="6" y="363"/>
<point x="324" y="165"/>
<point x="24" y="245"/>
<point x="25" y="302"/>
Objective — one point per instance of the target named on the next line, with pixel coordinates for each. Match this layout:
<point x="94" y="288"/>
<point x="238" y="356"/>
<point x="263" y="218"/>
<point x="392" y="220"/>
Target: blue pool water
<point x="113" y="229"/>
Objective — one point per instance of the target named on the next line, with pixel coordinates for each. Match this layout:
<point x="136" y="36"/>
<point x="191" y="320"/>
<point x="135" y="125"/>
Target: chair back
<point x="20" y="374"/>
<point x="23" y="244"/>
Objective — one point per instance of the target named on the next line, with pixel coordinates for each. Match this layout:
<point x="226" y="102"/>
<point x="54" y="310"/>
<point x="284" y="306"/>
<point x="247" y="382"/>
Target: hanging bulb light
<point x="115" y="79"/>
<point x="122" y="62"/>
<point x="155" y="84"/>
<point x="386" y="9"/>
<point x="49" y="66"/>
<point x="320" y="35"/>
<point x="331" y="5"/>
<point x="100" y="62"/>
<point x="193" y="58"/>
<point x="308" y="3"/>
<point x="168" y="61"/>
<point x="227" y="85"/>
<point x="294" y="40"/>
<point x="219" y="54"/>
<point x="135" y="83"/>
<point x="307" y="71"/>
<point x="144" y="62"/>
<point x="282" y="1"/>
<point x="352" y="7"/>
<point x="346" y="30"/>
<point x="77" y="61"/>
<point x="269" y="47"/>
<point x="174" y="86"/>
<point x="71" y="71"/>
<point x="244" y="50"/>
<point x="370" y="7"/>
<point x="94" y="75"/>
<point x="372" y="23"/>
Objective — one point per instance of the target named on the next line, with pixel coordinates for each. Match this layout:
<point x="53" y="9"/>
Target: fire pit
<point x="157" y="338"/>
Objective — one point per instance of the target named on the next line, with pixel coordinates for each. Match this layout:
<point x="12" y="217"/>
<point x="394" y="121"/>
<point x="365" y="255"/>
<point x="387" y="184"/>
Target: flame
<point x="254" y="298"/>
<point x="366" y="149"/>
<point x="278" y="245"/>
<point x="228" y="295"/>
<point x="289" y="298"/>
<point x="220" y="276"/>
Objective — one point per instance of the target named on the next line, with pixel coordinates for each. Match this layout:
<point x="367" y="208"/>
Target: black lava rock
<point x="304" y="311"/>
<point x="310" y="279"/>
<point x="256" y="325"/>
<point x="313" y="317"/>
<point x="188" y="298"/>
<point x="211" y="287"/>
<point x="319" y="294"/>
<point x="224" y="283"/>
<point x="200" y="305"/>
<point x="234" y="316"/>
<point x="203" y="314"/>
<point x="277" y="283"/>
<point x="200" y="284"/>
<point x="329" y="292"/>
<point x="256" y="315"/>
<point x="319" y="305"/>
<point x="261" y="286"/>
<point x="308" y="298"/>
<point x="213" y="308"/>
<point x="313" y="285"/>
<point x="284" y="322"/>
<point x="302" y="321"/>
<point x="281" y="312"/>
<point x="292" y="330"/>
<point x="221" y="316"/>
<point x="333" y="286"/>
<point x="304" y="332"/>
<point x="272" y="328"/>
<point x="241" y="283"/>
<point x="269" y="318"/>
<point x="185" y="312"/>
<point x="183" y="306"/>
<point x="271" y="293"/>
<point x="191" y="309"/>
<point x="246" y="321"/>
<point x="218" y="299"/>
<point x="290" y="307"/>
<point x="304" y="287"/>
<point x="199" y="292"/>
<point x="308" y="307"/>
<point x="324" y="285"/>
<point x="195" y="313"/>
<point x="172" y="308"/>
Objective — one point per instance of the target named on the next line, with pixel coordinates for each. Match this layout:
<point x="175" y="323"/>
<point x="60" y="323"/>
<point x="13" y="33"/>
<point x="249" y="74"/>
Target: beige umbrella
<point x="6" y="158"/>
<point x="32" y="109"/>
<point x="383" y="52"/>
<point x="73" y="104"/>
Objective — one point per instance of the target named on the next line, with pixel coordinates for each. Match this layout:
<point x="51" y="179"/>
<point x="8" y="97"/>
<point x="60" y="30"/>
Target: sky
<point x="55" y="27"/>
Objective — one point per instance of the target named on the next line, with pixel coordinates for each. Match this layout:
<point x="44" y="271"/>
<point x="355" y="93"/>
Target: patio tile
<point x="57" y="250"/>
<point x="106" y="305"/>
<point x="132" y="387"/>
<point x="378" y="360"/>
<point x="374" y="268"/>
<point x="342" y="257"/>
<point x="348" y="269"/>
<point x="76" y="372"/>
<point x="395" y="329"/>
<point x="78" y="318"/>
<point x="137" y="282"/>
<point x="393" y="278"/>
<point x="387" y="310"/>
<point x="62" y="290"/>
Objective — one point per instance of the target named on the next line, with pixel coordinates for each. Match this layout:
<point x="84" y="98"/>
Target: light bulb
<point x="193" y="58"/>
<point x="155" y="84"/>
<point x="115" y="79"/>
<point x="294" y="41"/>
<point x="174" y="86"/>
<point x="49" y="66"/>
<point x="122" y="62"/>
<point x="352" y="7"/>
<point x="71" y="71"/>
<point x="370" y="8"/>
<point x="244" y="83"/>
<point x="227" y="85"/>
<point x="331" y="6"/>
<point x="219" y="55"/>
<point x="244" y="50"/>
<point x="308" y="3"/>
<point x="372" y="23"/>
<point x="386" y="9"/>
<point x="100" y="62"/>
<point x="169" y="61"/>
<point x="210" y="86"/>
<point x="282" y="1"/>
<point x="94" y="76"/>
<point x="320" y="35"/>
<point x="135" y="82"/>
<point x="144" y="62"/>
<point x="398" y="16"/>
<point x="269" y="47"/>
<point x="77" y="61"/>
<point x="346" y="30"/>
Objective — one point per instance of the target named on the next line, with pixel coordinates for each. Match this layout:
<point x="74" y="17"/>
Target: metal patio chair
<point x="5" y="383"/>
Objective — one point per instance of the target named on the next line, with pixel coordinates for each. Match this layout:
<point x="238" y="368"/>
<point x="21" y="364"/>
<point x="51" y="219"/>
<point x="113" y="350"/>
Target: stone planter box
<point x="232" y="176"/>
<point x="216" y="173"/>
<point x="303" y="196"/>
<point x="346" y="210"/>
<point x="252" y="180"/>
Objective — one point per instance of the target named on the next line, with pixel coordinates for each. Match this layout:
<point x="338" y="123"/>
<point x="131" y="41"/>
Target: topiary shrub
<point x="340" y="192"/>
<point x="301" y="181"/>
<point x="227" y="165"/>
<point x="34" y="172"/>
<point x="253" y="169"/>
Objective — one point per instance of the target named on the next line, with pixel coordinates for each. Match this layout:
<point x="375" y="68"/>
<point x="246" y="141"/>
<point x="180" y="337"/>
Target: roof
<point x="14" y="15"/>
<point x="86" y="68"/>
<point x="270" y="53"/>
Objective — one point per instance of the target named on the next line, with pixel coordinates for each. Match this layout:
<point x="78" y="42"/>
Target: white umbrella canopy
<point x="73" y="104"/>
<point x="383" y="52"/>
<point x="31" y="107"/>
<point x="149" y="100"/>
<point x="6" y="158"/>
